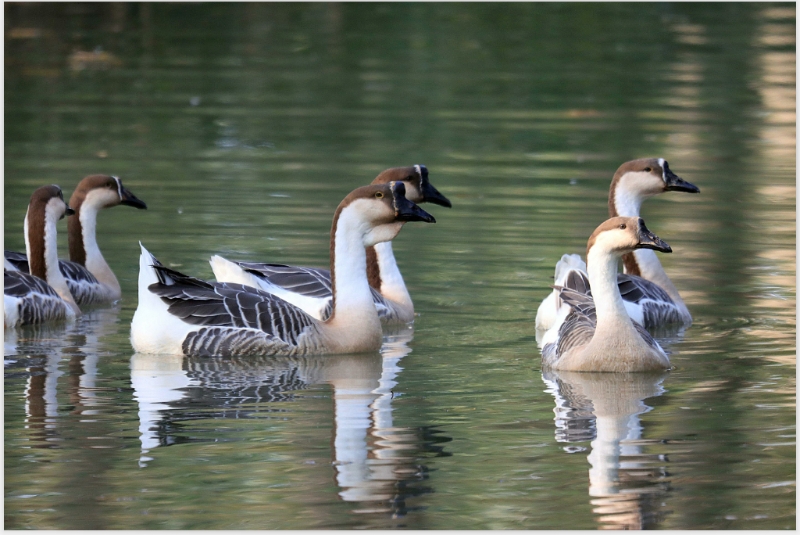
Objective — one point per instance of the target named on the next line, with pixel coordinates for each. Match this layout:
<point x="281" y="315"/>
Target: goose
<point x="596" y="334"/>
<point x="178" y="314"/>
<point x="649" y="295"/>
<point x="88" y="276"/>
<point x="310" y="288"/>
<point x="42" y="295"/>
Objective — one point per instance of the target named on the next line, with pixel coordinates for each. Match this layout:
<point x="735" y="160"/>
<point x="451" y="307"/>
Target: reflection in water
<point x="38" y="352"/>
<point x="374" y="461"/>
<point x="624" y="482"/>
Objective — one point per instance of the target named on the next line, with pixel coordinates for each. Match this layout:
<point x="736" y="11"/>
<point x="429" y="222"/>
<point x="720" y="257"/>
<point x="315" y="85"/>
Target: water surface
<point x="243" y="126"/>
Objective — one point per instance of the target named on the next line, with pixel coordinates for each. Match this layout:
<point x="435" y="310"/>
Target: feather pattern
<point x="657" y="307"/>
<point x="34" y="300"/>
<point x="84" y="287"/>
<point x="236" y="319"/>
<point x="310" y="282"/>
<point x="579" y="326"/>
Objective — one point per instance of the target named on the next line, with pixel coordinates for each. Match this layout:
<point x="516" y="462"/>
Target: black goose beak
<point x="405" y="210"/>
<point x="67" y="211"/>
<point x="129" y="199"/>
<point x="676" y="183"/>
<point x="431" y="194"/>
<point x="648" y="240"/>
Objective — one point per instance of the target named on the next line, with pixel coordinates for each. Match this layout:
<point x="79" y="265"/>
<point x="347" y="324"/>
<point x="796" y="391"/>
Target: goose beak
<point x="648" y="240"/>
<point x="432" y="195"/>
<point x="67" y="211"/>
<point x="129" y="199"/>
<point x="405" y="210"/>
<point x="676" y="183"/>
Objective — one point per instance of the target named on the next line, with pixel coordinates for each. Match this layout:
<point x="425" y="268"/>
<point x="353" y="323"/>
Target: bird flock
<point x="596" y="319"/>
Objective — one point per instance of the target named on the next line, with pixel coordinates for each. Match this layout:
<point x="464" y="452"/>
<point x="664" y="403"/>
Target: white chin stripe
<point x="119" y="186"/>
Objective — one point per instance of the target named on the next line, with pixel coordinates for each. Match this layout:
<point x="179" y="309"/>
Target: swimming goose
<point x="650" y="297"/>
<point x="41" y="295"/>
<point x="178" y="314"/>
<point x="596" y="334"/>
<point x="310" y="288"/>
<point x="88" y="276"/>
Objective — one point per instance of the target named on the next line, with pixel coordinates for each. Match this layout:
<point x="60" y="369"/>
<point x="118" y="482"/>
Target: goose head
<point x="380" y="210"/>
<point x="418" y="186"/>
<point x="620" y="235"/>
<point x="49" y="200"/>
<point x="103" y="191"/>
<point x="640" y="179"/>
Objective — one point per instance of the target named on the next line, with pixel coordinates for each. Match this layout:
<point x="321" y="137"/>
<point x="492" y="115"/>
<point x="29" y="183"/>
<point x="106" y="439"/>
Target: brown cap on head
<point x="112" y="183"/>
<point x="663" y="179"/>
<point x="632" y="234"/>
<point x="418" y="185"/>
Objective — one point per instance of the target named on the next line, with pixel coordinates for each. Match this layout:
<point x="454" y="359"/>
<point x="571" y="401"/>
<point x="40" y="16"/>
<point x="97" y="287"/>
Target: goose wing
<point x="235" y="317"/>
<point x="657" y="306"/>
<point x="84" y="287"/>
<point x="579" y="326"/>
<point x="312" y="282"/>
<point x="18" y="261"/>
<point x="36" y="301"/>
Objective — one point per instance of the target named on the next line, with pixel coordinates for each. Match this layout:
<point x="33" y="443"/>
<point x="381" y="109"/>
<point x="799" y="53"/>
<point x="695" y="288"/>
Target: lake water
<point x="243" y="126"/>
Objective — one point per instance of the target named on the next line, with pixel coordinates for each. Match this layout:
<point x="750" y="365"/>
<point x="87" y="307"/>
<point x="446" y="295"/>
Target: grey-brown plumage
<point x="580" y="325"/>
<point x="225" y="309"/>
<point x="38" y="301"/>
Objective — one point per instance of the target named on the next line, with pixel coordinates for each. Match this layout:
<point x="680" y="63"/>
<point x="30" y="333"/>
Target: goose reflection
<point x="625" y="484"/>
<point x="46" y="353"/>
<point x="376" y="464"/>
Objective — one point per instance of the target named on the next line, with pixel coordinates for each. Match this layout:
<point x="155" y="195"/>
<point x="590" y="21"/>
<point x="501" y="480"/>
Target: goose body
<point x="649" y="295"/>
<point x="88" y="275"/>
<point x="310" y="288"/>
<point x="595" y="333"/>
<point x="42" y="295"/>
<point x="178" y="314"/>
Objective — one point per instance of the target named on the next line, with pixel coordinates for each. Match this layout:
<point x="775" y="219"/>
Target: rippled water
<point x="243" y="126"/>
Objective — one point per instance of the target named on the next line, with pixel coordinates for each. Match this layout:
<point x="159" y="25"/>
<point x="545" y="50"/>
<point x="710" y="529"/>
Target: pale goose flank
<point x="649" y="295"/>
<point x="89" y="277"/>
<point x="596" y="334"/>
<point x="178" y="314"/>
<point x="42" y="295"/>
<point x="310" y="288"/>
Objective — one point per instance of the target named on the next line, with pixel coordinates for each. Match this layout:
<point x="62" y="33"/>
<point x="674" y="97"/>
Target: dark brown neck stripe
<point x="77" y="250"/>
<point x="36" y="224"/>
<point x="373" y="269"/>
<point x="631" y="265"/>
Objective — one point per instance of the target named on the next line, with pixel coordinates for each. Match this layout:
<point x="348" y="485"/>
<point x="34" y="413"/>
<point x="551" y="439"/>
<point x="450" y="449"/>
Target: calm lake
<point x="242" y="126"/>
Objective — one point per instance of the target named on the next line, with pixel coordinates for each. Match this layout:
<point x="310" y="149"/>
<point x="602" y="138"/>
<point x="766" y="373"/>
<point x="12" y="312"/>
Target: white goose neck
<point x="602" y="269"/>
<point x="53" y="276"/>
<point x="95" y="263"/>
<point x="352" y="298"/>
<point x="627" y="201"/>
<point x="392" y="284"/>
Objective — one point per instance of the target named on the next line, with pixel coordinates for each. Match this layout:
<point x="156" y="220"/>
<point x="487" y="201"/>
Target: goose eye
<point x="647" y="169"/>
<point x="623" y="226"/>
<point x="379" y="195"/>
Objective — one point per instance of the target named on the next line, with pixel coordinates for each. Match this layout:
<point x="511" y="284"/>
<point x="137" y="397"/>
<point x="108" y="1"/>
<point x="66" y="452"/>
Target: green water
<point x="242" y="126"/>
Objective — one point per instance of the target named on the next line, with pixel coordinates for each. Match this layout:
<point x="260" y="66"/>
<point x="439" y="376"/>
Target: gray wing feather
<point x="657" y="306"/>
<point x="579" y="326"/>
<point x="237" y="319"/>
<point x="38" y="301"/>
<point x="84" y="287"/>
<point x="313" y="282"/>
